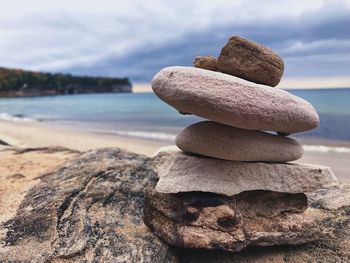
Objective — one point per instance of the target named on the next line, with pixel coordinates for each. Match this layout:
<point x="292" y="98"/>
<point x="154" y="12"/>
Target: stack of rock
<point x="232" y="185"/>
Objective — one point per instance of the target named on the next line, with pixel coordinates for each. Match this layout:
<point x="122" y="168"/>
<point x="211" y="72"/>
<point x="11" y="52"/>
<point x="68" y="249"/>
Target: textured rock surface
<point x="180" y="172"/>
<point x="89" y="210"/>
<point x="248" y="60"/>
<point x="97" y="195"/>
<point x="229" y="143"/>
<point x="331" y="199"/>
<point x="20" y="170"/>
<point x="199" y="208"/>
<point x="233" y="101"/>
<point x="333" y="246"/>
<point x="203" y="220"/>
<point x="269" y="204"/>
<point x="206" y="62"/>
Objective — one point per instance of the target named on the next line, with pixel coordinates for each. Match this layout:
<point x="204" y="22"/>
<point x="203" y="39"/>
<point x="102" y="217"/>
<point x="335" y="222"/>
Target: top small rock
<point x="251" y="61"/>
<point x="206" y="62"/>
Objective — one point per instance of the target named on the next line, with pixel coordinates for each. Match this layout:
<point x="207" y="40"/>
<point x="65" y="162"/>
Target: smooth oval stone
<point x="206" y="62"/>
<point x="230" y="100"/>
<point x="229" y="143"/>
<point x="248" y="60"/>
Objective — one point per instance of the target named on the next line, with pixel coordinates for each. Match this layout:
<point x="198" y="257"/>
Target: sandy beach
<point x="26" y="135"/>
<point x="42" y="135"/>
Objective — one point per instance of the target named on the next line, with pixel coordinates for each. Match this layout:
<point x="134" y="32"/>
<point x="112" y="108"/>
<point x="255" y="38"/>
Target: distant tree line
<point x="21" y="80"/>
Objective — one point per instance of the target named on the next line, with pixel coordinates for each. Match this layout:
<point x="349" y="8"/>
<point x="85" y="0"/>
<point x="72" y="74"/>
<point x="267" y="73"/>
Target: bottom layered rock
<point x="211" y="221"/>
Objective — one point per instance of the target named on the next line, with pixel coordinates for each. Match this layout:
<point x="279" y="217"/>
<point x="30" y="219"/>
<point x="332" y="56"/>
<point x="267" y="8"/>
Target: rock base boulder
<point x="211" y="221"/>
<point x="333" y="207"/>
<point x="88" y="210"/>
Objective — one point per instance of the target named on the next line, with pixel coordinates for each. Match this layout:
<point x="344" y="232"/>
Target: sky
<point x="137" y="38"/>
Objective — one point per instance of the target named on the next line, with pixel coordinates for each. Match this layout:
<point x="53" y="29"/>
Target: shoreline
<point x="310" y="143"/>
<point x="335" y="154"/>
<point x="33" y="134"/>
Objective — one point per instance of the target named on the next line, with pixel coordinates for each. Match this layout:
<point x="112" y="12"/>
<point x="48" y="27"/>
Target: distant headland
<point x="18" y="83"/>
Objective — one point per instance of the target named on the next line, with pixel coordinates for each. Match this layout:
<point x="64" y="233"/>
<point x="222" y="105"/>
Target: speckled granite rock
<point x="248" y="60"/>
<point x="229" y="143"/>
<point x="233" y="101"/>
<point x="331" y="199"/>
<point x="206" y="62"/>
<point x="88" y="210"/>
<point x="210" y="221"/>
<point x="180" y="172"/>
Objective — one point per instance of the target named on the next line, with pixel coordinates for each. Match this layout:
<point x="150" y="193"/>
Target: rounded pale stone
<point x="229" y="143"/>
<point x="248" y="60"/>
<point x="206" y="62"/>
<point x="229" y="100"/>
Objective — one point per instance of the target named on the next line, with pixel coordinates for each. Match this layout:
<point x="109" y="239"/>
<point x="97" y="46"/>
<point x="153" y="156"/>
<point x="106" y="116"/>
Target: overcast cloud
<point x="137" y="38"/>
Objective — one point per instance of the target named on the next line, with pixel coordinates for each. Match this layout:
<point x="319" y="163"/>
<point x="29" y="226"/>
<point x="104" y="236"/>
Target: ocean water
<point x="144" y="115"/>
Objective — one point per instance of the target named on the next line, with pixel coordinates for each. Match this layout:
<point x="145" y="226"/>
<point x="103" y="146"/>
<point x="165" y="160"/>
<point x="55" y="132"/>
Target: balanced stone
<point x="206" y="62"/>
<point x="180" y="172"/>
<point x="229" y="143"/>
<point x="251" y="61"/>
<point x="229" y="100"/>
<point x="210" y="221"/>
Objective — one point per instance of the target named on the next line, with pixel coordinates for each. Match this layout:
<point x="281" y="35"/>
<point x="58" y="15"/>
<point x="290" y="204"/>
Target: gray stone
<point x="229" y="143"/>
<point x="88" y="210"/>
<point x="206" y="62"/>
<point x="229" y="100"/>
<point x="204" y="220"/>
<point x="180" y="172"/>
<point x="248" y="60"/>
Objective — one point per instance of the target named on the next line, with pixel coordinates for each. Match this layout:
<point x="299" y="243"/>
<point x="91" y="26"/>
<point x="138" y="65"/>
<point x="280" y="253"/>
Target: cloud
<point x="137" y="38"/>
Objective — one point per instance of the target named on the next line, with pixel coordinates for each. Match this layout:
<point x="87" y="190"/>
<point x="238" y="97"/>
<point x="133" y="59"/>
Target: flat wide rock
<point x="181" y="172"/>
<point x="229" y="100"/>
<point x="249" y="60"/>
<point x="209" y="221"/>
<point x="229" y="143"/>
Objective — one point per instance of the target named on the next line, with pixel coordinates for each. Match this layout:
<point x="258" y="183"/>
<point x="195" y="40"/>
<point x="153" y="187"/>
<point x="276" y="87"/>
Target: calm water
<point x="144" y="115"/>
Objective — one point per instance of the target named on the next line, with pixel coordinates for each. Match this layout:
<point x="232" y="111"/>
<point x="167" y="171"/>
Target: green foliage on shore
<point x="20" y="80"/>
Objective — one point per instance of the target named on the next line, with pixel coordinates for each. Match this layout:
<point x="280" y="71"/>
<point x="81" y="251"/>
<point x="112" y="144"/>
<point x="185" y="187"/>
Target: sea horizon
<point x="142" y="115"/>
